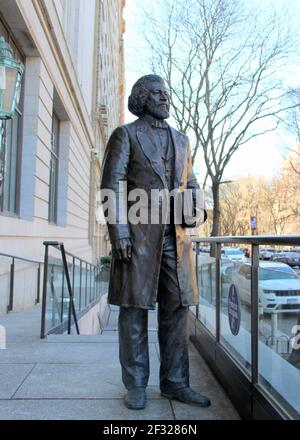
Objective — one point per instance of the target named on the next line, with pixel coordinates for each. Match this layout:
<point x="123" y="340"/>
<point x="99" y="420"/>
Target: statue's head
<point x="149" y="96"/>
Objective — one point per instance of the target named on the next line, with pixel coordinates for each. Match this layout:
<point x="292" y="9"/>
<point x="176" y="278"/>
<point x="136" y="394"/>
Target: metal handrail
<point x="60" y="243"/>
<point x="252" y="239"/>
<point x="88" y="297"/>
<point x="12" y="278"/>
<point x="20" y="258"/>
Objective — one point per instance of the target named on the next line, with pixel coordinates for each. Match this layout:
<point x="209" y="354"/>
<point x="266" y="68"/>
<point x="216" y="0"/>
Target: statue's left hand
<point x="122" y="249"/>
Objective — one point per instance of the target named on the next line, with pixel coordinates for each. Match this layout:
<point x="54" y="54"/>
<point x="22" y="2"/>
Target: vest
<point x="168" y="161"/>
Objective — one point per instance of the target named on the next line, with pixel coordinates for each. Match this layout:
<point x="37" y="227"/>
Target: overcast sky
<point x="261" y="157"/>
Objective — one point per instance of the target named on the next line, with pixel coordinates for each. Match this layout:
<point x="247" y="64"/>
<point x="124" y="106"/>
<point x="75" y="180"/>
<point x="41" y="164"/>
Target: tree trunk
<point x="216" y="216"/>
<point x="216" y="212"/>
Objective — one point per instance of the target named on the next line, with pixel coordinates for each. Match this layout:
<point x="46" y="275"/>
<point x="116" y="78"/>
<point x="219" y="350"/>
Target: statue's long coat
<point x="131" y="155"/>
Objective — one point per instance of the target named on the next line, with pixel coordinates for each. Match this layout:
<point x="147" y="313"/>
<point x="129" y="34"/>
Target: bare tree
<point x="234" y="215"/>
<point x="274" y="202"/>
<point x="293" y="124"/>
<point x="279" y="201"/>
<point x="222" y="67"/>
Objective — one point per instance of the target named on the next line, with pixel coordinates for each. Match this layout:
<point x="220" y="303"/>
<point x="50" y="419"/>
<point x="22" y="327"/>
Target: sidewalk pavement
<point x="79" y="377"/>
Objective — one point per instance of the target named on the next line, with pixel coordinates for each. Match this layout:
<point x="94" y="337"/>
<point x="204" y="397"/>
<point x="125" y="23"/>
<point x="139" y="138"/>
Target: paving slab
<point x="80" y="381"/>
<point x="12" y="376"/>
<point x="96" y="409"/>
<point x="79" y="377"/>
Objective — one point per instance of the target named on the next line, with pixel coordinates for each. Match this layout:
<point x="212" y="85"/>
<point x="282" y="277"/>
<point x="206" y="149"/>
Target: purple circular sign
<point x="234" y="310"/>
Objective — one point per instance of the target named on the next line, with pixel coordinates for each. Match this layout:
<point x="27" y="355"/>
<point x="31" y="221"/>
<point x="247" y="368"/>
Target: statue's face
<point x="158" y="103"/>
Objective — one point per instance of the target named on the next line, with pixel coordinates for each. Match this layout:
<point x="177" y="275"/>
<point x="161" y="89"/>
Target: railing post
<point x="63" y="254"/>
<point x="80" y="284"/>
<point x="55" y="306"/>
<point x="91" y="283"/>
<point x="254" y="312"/>
<point x="98" y="284"/>
<point x="197" y="277"/>
<point x="62" y="295"/>
<point x="70" y="302"/>
<point x="73" y="273"/>
<point x="44" y="299"/>
<point x="11" y="286"/>
<point x="86" y="284"/>
<point x="94" y="274"/>
<point x="37" y="301"/>
<point x="218" y="291"/>
<point x="101" y="282"/>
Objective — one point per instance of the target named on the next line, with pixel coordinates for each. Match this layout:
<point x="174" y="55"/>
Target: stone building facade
<point x="72" y="98"/>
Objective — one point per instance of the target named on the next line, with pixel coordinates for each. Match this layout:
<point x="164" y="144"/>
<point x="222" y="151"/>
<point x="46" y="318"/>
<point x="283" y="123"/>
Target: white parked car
<point x="278" y="287"/>
<point x="266" y="253"/>
<point x="233" y="254"/>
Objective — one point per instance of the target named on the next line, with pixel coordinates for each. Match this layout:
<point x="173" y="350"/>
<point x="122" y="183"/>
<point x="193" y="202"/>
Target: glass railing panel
<point x="76" y="280"/>
<point x="206" y="275"/>
<point x="24" y="286"/>
<point x="235" y="307"/>
<point x="55" y="290"/>
<point x="93" y="287"/>
<point x="83" y="285"/>
<point x="279" y="325"/>
<point x="98" y="282"/>
<point x="65" y="291"/>
<point x="86" y="291"/>
<point x="90" y="283"/>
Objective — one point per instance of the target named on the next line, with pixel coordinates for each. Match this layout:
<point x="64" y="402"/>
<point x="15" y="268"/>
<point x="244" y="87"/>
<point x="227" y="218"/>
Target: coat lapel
<point x="151" y="151"/>
<point x="179" y="142"/>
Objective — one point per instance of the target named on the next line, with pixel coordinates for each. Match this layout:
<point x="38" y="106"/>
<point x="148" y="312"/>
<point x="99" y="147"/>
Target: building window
<point x="54" y="166"/>
<point x="10" y="146"/>
<point x="9" y="164"/>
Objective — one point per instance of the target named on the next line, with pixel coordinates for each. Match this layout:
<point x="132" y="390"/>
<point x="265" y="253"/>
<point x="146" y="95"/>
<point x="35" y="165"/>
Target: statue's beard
<point x="159" y="111"/>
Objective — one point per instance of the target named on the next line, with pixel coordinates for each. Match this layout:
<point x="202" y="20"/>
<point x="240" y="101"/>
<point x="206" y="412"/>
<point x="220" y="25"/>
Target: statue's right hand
<point x="122" y="249"/>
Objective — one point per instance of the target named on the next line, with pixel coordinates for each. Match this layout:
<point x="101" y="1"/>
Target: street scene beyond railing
<point x="249" y="309"/>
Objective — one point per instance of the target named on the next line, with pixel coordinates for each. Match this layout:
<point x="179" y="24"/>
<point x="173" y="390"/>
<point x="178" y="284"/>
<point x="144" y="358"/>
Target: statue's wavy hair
<point x="139" y="94"/>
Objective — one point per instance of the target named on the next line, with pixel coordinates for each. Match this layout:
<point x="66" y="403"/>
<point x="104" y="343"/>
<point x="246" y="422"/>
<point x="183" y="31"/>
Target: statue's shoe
<point x="136" y="398"/>
<point x="187" y="395"/>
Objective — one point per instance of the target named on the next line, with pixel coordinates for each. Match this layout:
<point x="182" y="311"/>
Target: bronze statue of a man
<point x="151" y="262"/>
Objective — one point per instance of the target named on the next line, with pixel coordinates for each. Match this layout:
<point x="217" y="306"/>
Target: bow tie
<point x="159" y="124"/>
